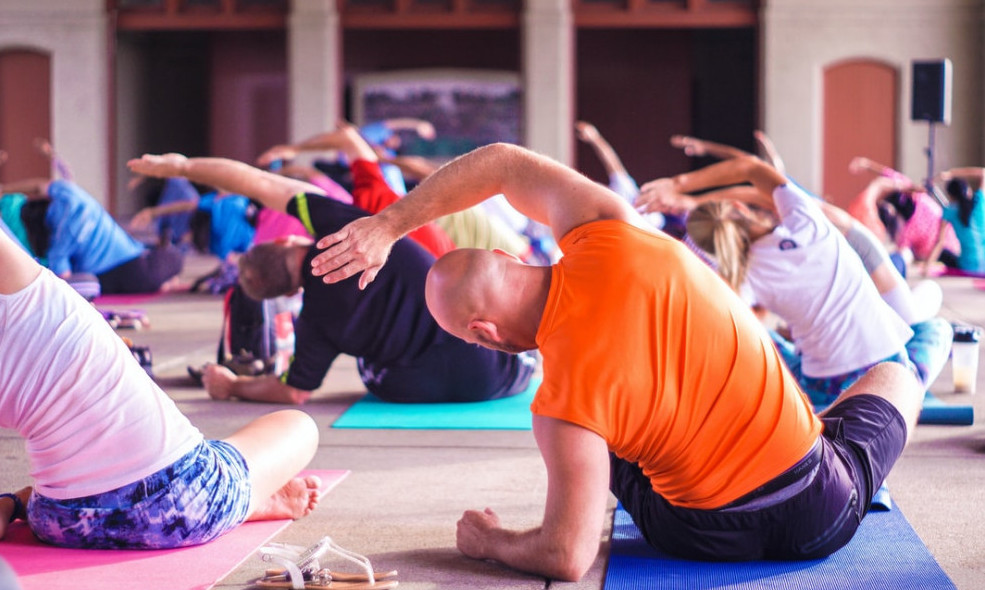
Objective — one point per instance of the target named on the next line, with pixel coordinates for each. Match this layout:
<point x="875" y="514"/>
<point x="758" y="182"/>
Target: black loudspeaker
<point x="931" y="100"/>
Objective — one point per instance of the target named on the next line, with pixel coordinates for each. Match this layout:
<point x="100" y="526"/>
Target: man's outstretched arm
<point x="271" y="190"/>
<point x="537" y="186"/>
<point x="567" y="542"/>
<point x="223" y="384"/>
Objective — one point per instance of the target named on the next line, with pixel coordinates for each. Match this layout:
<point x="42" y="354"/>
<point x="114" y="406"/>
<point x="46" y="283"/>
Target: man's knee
<point x="896" y="384"/>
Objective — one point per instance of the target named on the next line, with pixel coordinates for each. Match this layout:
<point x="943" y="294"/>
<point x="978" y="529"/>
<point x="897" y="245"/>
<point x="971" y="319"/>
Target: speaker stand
<point x="928" y="182"/>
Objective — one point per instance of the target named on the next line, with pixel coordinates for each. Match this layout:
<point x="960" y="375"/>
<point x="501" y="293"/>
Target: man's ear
<point x="488" y="330"/>
<point x="507" y="254"/>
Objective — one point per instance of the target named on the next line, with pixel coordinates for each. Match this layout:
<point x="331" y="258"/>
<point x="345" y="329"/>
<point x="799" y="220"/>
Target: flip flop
<point x="302" y="571"/>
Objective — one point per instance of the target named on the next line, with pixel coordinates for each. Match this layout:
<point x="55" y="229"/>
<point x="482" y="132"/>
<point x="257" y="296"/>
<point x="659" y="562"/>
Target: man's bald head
<point x="455" y="288"/>
<point x="471" y="294"/>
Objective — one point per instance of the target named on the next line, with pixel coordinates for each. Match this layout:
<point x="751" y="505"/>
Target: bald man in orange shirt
<point x="659" y="383"/>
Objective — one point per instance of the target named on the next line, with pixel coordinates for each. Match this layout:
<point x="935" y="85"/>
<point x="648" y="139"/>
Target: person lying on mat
<point x="78" y="235"/>
<point x="659" y="381"/>
<point x="403" y="356"/>
<point x="115" y="463"/>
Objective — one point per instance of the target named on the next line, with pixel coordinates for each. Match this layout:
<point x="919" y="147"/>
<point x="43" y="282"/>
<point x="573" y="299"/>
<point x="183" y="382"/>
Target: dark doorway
<point x="640" y="86"/>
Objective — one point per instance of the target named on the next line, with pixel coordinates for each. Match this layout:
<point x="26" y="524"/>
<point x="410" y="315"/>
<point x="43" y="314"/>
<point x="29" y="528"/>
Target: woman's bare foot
<point x="175" y="284"/>
<point x="6" y="511"/>
<point x="296" y="499"/>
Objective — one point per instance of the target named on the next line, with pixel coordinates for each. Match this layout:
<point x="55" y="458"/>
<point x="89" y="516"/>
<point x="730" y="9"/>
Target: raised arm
<point x="693" y="146"/>
<point x="537" y="186"/>
<point x="58" y="164"/>
<point x="143" y="218"/>
<point x="423" y="129"/>
<point x="603" y="150"/>
<point x="670" y="194"/>
<point x="567" y="542"/>
<point x="344" y="138"/>
<point x="412" y="167"/>
<point x="973" y="175"/>
<point x="771" y="154"/>
<point x="271" y="190"/>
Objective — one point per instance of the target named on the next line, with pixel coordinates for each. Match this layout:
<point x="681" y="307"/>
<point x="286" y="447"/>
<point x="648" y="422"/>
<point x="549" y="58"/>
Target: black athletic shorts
<point x="862" y="438"/>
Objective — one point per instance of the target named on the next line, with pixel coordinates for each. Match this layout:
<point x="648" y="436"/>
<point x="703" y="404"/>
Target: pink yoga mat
<point x="42" y="567"/>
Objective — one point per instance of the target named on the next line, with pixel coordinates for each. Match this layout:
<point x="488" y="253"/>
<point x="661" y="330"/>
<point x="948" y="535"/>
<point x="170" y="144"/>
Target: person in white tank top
<point x="800" y="266"/>
<point x="95" y="425"/>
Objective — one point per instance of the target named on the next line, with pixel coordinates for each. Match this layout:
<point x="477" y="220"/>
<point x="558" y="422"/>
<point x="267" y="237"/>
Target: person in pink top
<point x="918" y="212"/>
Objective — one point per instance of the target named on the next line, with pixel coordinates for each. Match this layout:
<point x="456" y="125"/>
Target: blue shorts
<point x="862" y="438"/>
<point x="198" y="498"/>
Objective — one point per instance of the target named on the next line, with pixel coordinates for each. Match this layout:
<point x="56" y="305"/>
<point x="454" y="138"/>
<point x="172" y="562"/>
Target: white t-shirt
<point x="807" y="274"/>
<point x="92" y="418"/>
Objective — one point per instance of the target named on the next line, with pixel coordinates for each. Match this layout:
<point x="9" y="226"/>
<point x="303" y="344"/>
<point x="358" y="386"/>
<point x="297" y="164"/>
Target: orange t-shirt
<point x="646" y="346"/>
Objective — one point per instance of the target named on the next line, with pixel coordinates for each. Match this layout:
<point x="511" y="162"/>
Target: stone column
<point x="548" y="74"/>
<point x="314" y="67"/>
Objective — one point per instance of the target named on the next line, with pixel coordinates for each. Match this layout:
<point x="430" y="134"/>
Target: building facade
<point x="109" y="80"/>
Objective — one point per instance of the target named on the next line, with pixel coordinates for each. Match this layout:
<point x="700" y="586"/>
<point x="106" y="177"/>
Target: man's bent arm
<point x="537" y="186"/>
<point x="567" y="542"/>
<point x="271" y="190"/>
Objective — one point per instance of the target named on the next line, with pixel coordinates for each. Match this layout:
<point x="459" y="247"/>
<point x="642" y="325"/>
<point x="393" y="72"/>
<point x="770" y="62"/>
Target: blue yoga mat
<point x="511" y="413"/>
<point x="936" y="411"/>
<point x="885" y="553"/>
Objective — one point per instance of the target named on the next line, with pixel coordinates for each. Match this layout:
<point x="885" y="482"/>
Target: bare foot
<point x="296" y="499"/>
<point x="175" y="285"/>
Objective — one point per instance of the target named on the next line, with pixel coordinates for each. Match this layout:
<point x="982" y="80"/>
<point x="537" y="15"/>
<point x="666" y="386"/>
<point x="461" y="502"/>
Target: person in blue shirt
<point x="220" y="224"/>
<point x="966" y="214"/>
<point x="174" y="228"/>
<point x="84" y="238"/>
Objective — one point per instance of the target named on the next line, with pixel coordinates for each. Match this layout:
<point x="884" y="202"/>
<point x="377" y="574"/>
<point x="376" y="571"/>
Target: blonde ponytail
<point x="718" y="229"/>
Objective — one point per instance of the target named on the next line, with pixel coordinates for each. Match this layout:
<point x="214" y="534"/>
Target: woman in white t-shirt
<point x="798" y="265"/>
<point x="115" y="464"/>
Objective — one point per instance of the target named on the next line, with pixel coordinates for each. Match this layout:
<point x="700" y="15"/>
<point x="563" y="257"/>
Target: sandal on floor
<point x="301" y="570"/>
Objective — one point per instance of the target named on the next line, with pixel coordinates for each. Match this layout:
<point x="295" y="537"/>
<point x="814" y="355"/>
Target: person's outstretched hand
<point x="278" y="152"/>
<point x="142" y="219"/>
<point x="586" y="131"/>
<point x="691" y="145"/>
<point x="659" y="196"/>
<point x="426" y="130"/>
<point x="859" y="164"/>
<point x="362" y="246"/>
<point x="159" y="166"/>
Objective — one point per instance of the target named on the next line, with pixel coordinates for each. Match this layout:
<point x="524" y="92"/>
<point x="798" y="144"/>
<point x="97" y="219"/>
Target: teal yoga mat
<point x="511" y="413"/>
<point x="885" y="553"/>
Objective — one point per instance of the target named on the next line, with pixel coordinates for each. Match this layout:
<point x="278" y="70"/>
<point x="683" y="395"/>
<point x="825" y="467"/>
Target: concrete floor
<point x="407" y="489"/>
